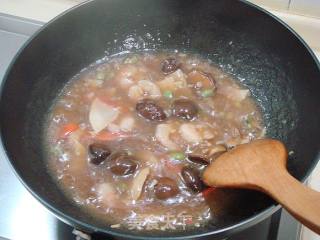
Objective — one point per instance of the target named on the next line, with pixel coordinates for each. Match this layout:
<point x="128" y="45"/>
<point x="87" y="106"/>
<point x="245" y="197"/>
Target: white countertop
<point x="40" y="10"/>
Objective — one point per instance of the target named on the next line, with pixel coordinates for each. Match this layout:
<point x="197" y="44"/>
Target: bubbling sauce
<point x="129" y="138"/>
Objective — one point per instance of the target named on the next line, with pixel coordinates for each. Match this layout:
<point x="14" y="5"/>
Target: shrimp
<point x="128" y="75"/>
<point x="107" y="195"/>
<point x="144" y="88"/>
<point x="125" y="75"/>
<point x="135" y="92"/>
<point x="173" y="81"/>
<point x="127" y="124"/>
<point x="195" y="133"/>
<point x="190" y="133"/>
<point x="162" y="134"/>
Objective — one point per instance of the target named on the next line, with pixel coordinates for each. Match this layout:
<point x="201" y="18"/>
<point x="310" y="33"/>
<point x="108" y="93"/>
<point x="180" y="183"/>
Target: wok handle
<point x="302" y="202"/>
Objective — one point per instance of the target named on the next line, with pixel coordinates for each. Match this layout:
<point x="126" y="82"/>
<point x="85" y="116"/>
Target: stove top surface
<point x="23" y="217"/>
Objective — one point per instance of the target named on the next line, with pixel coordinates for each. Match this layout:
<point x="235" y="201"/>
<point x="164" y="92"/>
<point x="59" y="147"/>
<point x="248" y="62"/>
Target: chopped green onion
<point x="168" y="94"/>
<point x="177" y="156"/>
<point x="207" y="93"/>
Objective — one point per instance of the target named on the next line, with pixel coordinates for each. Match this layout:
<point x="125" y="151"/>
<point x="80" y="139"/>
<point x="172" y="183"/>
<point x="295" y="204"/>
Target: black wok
<point x="261" y="51"/>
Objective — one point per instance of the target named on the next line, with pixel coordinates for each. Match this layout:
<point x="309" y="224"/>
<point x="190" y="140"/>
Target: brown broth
<point x="99" y="106"/>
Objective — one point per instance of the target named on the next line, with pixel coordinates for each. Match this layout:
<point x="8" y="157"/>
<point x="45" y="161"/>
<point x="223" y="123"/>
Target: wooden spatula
<point x="261" y="165"/>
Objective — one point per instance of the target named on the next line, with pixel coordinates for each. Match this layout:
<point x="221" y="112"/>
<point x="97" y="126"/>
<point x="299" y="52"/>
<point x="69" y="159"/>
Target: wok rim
<point x="77" y="224"/>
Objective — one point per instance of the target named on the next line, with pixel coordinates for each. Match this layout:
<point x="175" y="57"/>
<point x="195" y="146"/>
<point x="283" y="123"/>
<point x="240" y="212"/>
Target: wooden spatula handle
<point x="302" y="202"/>
<point x="261" y="165"/>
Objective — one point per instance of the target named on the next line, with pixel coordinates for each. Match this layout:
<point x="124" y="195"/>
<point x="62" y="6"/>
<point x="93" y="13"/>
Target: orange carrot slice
<point x="67" y="129"/>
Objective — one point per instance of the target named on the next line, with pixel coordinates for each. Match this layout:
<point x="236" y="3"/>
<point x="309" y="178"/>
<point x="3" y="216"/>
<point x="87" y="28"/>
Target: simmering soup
<point x="129" y="137"/>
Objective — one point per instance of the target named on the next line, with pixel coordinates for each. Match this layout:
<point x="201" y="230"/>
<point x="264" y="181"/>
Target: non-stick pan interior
<point x="246" y="42"/>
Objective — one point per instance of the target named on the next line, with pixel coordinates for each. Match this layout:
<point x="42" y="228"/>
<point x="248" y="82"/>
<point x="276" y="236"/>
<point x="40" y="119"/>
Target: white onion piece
<point x="138" y="182"/>
<point x="101" y="114"/>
